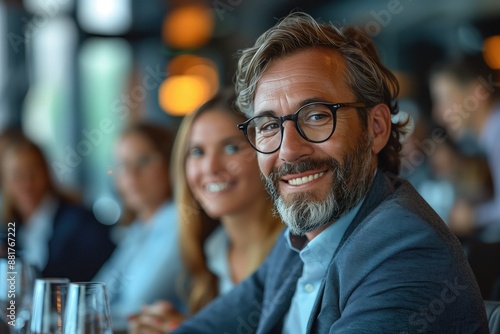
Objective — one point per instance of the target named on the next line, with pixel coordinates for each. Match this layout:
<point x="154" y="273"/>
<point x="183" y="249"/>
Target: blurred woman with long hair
<point x="227" y="226"/>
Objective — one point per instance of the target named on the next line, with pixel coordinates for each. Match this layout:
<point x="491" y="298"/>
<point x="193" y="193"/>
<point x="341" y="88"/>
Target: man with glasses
<point x="363" y="252"/>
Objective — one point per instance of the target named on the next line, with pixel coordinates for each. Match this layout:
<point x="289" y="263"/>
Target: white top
<point x="216" y="252"/>
<point x="145" y="267"/>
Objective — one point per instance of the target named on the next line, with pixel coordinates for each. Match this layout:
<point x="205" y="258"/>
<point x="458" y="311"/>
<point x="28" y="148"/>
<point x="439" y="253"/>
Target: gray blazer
<point x="398" y="269"/>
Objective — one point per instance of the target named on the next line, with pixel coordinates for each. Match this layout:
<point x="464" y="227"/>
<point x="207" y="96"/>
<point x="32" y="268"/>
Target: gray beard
<point x="303" y="213"/>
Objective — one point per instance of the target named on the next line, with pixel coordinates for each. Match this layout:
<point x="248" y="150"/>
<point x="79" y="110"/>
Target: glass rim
<point x="53" y="280"/>
<point x="87" y="283"/>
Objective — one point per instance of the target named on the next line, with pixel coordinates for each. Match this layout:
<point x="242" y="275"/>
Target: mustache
<point x="303" y="166"/>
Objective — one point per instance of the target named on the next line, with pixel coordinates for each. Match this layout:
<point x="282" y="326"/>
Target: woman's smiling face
<point x="221" y="167"/>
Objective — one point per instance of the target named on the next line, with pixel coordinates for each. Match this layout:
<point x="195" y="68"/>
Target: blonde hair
<point x="194" y="223"/>
<point x="370" y="80"/>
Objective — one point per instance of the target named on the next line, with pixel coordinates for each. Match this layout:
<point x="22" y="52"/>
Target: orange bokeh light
<point x="206" y="71"/>
<point x="188" y="27"/>
<point x="181" y="94"/>
<point x="195" y="65"/>
<point x="491" y="52"/>
<point x="178" y="65"/>
<point x="192" y="81"/>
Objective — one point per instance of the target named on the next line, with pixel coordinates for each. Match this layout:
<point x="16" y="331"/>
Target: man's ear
<point x="379" y="126"/>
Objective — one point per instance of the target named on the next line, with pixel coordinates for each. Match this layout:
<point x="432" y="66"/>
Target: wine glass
<point x="49" y="299"/>
<point x="16" y="293"/>
<point x="87" y="309"/>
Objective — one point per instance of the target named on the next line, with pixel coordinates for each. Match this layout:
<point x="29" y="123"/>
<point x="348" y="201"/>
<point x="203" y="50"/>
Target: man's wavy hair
<point x="370" y="80"/>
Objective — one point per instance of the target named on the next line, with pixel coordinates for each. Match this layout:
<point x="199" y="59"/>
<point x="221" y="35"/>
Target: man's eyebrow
<point x="301" y="104"/>
<point x="311" y="100"/>
<point x="266" y="113"/>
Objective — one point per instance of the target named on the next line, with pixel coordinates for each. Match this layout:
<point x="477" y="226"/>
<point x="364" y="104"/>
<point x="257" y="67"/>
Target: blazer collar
<point x="383" y="185"/>
<point x="279" y="302"/>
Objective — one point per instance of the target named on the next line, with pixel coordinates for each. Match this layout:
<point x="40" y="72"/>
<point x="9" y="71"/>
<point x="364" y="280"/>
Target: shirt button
<point x="308" y="288"/>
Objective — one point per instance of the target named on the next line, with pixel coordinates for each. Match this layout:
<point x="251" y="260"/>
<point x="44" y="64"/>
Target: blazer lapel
<point x="382" y="186"/>
<point x="277" y="302"/>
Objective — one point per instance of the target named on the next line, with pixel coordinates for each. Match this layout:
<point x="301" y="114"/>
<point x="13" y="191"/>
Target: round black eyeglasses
<point x="314" y="121"/>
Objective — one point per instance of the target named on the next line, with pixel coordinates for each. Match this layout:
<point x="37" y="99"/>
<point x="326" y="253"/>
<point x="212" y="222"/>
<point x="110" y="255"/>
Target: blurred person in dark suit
<point x="53" y="232"/>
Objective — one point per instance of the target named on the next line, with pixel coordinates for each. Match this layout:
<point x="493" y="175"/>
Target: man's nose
<point x="293" y="145"/>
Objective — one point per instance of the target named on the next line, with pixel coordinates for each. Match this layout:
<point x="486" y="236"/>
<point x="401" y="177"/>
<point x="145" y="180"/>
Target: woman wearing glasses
<point x="226" y="220"/>
<point x="146" y="266"/>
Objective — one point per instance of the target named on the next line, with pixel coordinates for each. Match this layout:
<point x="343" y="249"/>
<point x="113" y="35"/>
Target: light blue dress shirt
<point x="145" y="267"/>
<point x="316" y="256"/>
